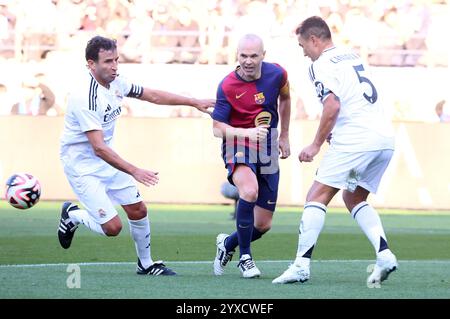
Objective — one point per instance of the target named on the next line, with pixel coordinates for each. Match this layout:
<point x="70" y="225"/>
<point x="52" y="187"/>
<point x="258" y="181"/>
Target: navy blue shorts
<point x="267" y="185"/>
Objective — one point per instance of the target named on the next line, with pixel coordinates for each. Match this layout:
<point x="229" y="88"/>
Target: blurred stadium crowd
<point x="402" y="33"/>
<point x="390" y="33"/>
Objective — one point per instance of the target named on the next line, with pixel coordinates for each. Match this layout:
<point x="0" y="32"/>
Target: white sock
<point x="140" y="232"/>
<point x="370" y="223"/>
<point x="311" y="225"/>
<point x="81" y="216"/>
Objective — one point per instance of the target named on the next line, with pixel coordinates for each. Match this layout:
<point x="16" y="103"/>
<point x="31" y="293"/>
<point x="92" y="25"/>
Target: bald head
<point x="251" y="40"/>
<point x="250" y="54"/>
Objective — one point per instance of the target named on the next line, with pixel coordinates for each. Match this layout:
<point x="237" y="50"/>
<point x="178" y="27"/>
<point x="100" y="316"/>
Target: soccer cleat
<point x="386" y="263"/>
<point x="222" y="256"/>
<point x="157" y="269"/>
<point x="66" y="228"/>
<point x="294" y="273"/>
<point x="247" y="267"/>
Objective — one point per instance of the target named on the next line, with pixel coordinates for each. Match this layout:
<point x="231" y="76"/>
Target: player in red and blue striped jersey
<point x="250" y="101"/>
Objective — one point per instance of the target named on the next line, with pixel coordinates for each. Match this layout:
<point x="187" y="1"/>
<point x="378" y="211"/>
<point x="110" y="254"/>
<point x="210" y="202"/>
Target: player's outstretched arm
<point x="107" y="154"/>
<point x="331" y="106"/>
<point x="167" y="98"/>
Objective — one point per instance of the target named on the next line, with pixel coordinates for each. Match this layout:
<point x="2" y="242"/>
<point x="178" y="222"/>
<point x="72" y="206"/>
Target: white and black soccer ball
<point x="23" y="190"/>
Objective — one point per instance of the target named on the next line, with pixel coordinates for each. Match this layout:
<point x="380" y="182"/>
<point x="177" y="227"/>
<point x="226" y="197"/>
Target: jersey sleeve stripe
<point x="95" y="96"/>
<point x="91" y="88"/>
<point x="136" y="91"/>
<point x="312" y="71"/>
<point x="285" y="89"/>
<point x="312" y="76"/>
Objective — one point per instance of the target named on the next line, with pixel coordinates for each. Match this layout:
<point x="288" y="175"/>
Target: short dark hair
<point x="96" y="44"/>
<point x="314" y="26"/>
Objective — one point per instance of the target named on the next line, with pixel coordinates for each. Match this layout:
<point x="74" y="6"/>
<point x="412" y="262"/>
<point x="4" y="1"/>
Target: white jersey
<point x="92" y="107"/>
<point x="361" y="124"/>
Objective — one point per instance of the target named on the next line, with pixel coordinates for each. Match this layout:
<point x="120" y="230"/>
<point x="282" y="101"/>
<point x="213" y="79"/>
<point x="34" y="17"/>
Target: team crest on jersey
<point x="101" y="213"/>
<point x="263" y="118"/>
<point x="259" y="98"/>
<point x="118" y="94"/>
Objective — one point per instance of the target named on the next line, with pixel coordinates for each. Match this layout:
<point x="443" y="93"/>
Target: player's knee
<point x="250" y="194"/>
<point x="138" y="213"/>
<point x="263" y="228"/>
<point x="141" y="213"/>
<point x="112" y="229"/>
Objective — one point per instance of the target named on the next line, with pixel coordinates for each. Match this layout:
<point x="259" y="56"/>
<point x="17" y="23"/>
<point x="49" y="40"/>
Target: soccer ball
<point x="23" y="190"/>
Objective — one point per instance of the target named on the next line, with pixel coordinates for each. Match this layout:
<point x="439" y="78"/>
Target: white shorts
<point x="98" y="194"/>
<point x="348" y="170"/>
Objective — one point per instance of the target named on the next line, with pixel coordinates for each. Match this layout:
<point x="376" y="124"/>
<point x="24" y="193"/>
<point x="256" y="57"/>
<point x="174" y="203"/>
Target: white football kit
<point x="97" y="184"/>
<point x="362" y="141"/>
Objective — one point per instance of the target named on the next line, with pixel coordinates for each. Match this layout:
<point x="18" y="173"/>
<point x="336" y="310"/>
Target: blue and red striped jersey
<point x="239" y="102"/>
<point x="247" y="104"/>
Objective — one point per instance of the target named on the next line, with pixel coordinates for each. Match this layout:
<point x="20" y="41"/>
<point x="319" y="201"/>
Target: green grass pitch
<point x="32" y="265"/>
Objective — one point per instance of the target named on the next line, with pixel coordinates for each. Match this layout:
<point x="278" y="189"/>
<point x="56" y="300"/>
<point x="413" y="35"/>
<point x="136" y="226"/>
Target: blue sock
<point x="244" y="225"/>
<point x="232" y="241"/>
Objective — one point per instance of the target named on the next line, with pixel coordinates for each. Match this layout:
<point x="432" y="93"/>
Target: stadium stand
<point x="401" y="34"/>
